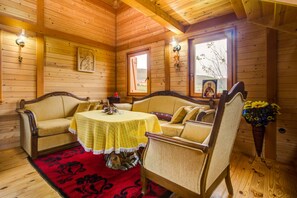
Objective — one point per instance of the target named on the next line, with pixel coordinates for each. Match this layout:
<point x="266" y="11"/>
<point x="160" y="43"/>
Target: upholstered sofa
<point x="165" y="104"/>
<point x="45" y="121"/>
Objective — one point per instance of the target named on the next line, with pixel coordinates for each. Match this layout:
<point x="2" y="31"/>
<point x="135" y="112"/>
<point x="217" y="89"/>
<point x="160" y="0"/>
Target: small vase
<point x="258" y="134"/>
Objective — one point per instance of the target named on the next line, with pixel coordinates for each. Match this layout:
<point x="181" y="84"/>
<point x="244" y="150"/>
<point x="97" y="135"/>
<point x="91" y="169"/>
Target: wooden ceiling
<point x="177" y="16"/>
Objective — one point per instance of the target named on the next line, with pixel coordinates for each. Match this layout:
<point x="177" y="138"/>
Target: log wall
<point x="251" y="67"/>
<point x="81" y="22"/>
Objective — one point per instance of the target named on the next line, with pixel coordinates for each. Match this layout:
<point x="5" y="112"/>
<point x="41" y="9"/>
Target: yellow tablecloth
<point x="124" y="131"/>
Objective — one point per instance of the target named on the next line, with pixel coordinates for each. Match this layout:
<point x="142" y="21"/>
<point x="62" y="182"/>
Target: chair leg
<point x="228" y="182"/>
<point x="143" y="182"/>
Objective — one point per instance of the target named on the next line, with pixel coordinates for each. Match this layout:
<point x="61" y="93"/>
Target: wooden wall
<point x="67" y="25"/>
<point x="251" y="67"/>
<point x="287" y="97"/>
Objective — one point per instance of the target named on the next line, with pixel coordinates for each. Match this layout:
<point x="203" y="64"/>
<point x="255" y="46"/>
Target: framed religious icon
<point x="86" y="60"/>
<point x="209" y="88"/>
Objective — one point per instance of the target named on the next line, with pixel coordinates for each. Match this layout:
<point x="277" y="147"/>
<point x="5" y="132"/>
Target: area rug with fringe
<point x="76" y="173"/>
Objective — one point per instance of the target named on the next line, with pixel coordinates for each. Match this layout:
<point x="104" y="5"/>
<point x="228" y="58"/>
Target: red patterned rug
<point x="76" y="173"/>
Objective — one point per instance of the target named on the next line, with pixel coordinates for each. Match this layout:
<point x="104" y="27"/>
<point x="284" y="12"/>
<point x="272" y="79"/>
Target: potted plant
<point x="259" y="114"/>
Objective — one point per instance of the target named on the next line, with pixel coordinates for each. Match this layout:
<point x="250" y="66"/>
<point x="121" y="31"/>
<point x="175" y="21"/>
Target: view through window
<point x="138" y="73"/>
<point x="211" y="64"/>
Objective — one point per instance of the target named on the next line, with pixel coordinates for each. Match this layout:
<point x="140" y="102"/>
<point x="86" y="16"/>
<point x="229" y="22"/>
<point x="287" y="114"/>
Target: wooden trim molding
<point x="13" y="22"/>
<point x="271" y="70"/>
<point x="167" y="66"/>
<point x="57" y="93"/>
<point x="1" y="70"/>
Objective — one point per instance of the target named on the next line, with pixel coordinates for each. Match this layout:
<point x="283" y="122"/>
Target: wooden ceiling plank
<point x="283" y="2"/>
<point x="153" y="11"/>
<point x="279" y="14"/>
<point x="238" y="8"/>
<point x="252" y="9"/>
<point x="12" y="22"/>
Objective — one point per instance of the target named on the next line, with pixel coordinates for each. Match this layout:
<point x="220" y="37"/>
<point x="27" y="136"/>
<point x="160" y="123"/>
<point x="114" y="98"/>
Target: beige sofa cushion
<point x="47" y="109"/>
<point x="53" y="127"/>
<point x="180" y="102"/>
<point x="141" y="106"/>
<point x="171" y="129"/>
<point x="191" y="115"/>
<point x="164" y="104"/>
<point x="70" y="105"/>
<point x="179" y="115"/>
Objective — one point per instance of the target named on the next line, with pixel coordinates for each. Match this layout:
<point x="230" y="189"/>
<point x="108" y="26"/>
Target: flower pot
<point x="258" y="134"/>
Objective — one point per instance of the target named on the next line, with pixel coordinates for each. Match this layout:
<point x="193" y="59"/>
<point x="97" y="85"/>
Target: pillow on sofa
<point x="163" y="116"/>
<point x="179" y="115"/>
<point x="191" y="115"/>
<point x="94" y="105"/>
<point x="84" y="106"/>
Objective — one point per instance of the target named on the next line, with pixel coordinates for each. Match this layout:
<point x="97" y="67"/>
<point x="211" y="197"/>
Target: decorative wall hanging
<point x="86" y="60"/>
<point x="209" y="88"/>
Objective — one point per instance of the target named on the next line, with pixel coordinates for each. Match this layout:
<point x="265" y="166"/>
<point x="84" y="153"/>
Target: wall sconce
<point x="20" y="41"/>
<point x="176" y="49"/>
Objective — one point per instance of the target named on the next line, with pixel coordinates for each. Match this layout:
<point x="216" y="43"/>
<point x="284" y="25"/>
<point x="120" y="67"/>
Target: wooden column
<point x="271" y="71"/>
<point x="167" y="66"/>
<point x="39" y="65"/>
<point x="1" y="70"/>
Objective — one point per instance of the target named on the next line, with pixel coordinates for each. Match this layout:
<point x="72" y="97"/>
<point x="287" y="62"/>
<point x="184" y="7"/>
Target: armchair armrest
<point x="32" y="119"/>
<point x="123" y="106"/>
<point x="206" y="116"/>
<point x="187" y="144"/>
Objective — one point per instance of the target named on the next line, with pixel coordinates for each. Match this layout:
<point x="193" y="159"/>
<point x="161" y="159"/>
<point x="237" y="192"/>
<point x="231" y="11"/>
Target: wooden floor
<point x="249" y="178"/>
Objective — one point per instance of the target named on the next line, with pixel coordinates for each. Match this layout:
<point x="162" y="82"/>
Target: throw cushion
<point x="84" y="106"/>
<point x="179" y="115"/>
<point x="191" y="115"/>
<point x="94" y="105"/>
<point x="162" y="116"/>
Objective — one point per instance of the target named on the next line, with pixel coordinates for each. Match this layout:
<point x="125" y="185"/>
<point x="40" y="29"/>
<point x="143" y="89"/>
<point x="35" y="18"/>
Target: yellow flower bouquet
<point x="260" y="113"/>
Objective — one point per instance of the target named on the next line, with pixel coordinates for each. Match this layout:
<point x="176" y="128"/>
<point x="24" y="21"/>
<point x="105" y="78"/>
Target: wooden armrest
<point x="31" y="117"/>
<point x="171" y="140"/>
<point x="202" y="114"/>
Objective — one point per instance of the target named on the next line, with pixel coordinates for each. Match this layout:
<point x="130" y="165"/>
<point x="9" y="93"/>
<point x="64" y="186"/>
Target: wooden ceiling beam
<point x="283" y="2"/>
<point x="238" y="8"/>
<point x="279" y="14"/>
<point x="253" y="9"/>
<point x="151" y="10"/>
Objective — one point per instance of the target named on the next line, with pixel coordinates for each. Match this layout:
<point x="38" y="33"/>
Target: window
<point x="138" y="73"/>
<point x="212" y="59"/>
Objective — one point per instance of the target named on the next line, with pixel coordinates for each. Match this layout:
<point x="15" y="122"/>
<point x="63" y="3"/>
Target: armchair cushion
<point x="196" y="131"/>
<point x="171" y="129"/>
<point x="123" y="106"/>
<point x="53" y="127"/>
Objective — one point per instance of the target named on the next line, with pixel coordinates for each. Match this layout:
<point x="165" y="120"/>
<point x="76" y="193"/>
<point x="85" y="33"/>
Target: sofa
<point x="166" y="104"/>
<point x="44" y="122"/>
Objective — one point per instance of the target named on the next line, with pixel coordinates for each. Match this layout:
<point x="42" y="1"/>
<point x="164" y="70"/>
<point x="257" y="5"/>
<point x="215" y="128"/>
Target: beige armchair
<point x="194" y="164"/>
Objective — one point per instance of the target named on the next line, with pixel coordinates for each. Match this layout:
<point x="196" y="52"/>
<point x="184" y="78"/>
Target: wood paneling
<point x="61" y="70"/>
<point x="19" y="81"/>
<point x="25" y="9"/>
<point x="80" y="18"/>
<point x="287" y="97"/>
<point x="157" y="50"/>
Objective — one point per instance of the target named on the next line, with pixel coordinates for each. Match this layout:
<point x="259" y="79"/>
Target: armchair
<point x="194" y="164"/>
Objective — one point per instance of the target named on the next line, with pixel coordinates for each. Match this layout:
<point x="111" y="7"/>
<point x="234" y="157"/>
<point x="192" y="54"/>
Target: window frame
<point x="231" y="57"/>
<point x="136" y="53"/>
